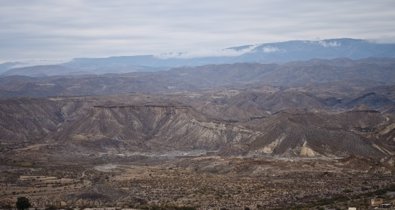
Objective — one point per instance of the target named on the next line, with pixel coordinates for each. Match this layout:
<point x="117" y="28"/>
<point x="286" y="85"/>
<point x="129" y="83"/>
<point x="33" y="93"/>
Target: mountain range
<point x="279" y="52"/>
<point x="316" y="108"/>
<point x="338" y="75"/>
<point x="322" y="99"/>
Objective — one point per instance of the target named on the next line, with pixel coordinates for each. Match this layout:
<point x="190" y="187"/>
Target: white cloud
<point x="329" y="43"/>
<point x="62" y="29"/>
<point x="205" y="52"/>
<point x="270" y="49"/>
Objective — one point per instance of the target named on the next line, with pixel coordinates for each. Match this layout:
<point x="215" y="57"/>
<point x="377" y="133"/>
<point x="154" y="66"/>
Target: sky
<point x="65" y="29"/>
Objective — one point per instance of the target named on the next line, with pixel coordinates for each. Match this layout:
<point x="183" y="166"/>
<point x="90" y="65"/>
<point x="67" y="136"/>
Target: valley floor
<point x="203" y="182"/>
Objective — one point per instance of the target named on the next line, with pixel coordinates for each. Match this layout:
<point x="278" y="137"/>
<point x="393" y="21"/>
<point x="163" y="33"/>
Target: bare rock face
<point x="28" y="120"/>
<point x="156" y="127"/>
<point x="306" y="151"/>
<point x="315" y="134"/>
<point x="152" y="124"/>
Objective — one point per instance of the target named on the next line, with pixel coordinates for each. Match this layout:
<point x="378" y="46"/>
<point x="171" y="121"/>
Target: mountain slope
<point x="148" y="127"/>
<point x="130" y="124"/>
<point x="311" y="135"/>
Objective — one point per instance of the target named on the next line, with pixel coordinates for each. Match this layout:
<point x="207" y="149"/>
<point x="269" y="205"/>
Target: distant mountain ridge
<point x="341" y="74"/>
<point x="279" y="52"/>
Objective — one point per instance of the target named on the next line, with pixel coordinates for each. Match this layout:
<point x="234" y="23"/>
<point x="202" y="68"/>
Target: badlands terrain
<point x="299" y="135"/>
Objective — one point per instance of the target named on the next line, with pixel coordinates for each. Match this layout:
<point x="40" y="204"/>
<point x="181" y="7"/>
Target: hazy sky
<point x="62" y="29"/>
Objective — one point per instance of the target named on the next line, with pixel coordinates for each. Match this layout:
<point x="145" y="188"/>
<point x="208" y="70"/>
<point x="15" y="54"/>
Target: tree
<point x="22" y="203"/>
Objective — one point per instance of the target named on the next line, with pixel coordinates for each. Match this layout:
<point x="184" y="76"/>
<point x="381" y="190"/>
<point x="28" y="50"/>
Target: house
<point x="385" y="206"/>
<point x="376" y="201"/>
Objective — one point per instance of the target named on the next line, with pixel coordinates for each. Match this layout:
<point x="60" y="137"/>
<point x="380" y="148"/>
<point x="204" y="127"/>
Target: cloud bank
<point x="63" y="29"/>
